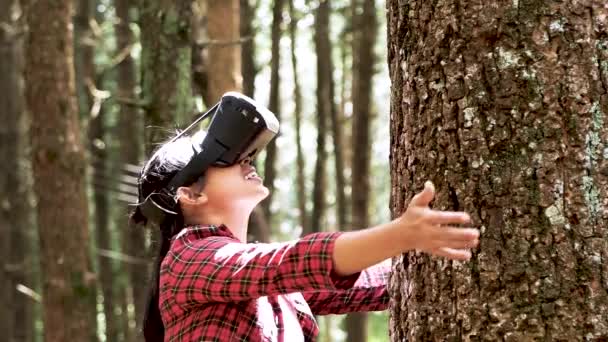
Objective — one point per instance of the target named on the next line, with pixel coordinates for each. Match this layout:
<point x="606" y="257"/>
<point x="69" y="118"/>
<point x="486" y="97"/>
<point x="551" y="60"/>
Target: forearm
<point x="357" y="250"/>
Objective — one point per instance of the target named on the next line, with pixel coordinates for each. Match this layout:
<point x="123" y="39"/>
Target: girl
<point x="210" y="285"/>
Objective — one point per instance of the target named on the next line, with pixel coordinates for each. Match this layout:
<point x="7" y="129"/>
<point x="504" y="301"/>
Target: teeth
<point x="251" y="175"/>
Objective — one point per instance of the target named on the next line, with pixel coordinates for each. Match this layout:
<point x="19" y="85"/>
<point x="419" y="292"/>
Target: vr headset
<point x="240" y="128"/>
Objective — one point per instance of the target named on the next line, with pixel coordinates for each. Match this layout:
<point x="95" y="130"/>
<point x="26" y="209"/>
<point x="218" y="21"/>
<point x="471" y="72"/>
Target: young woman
<point x="211" y="285"/>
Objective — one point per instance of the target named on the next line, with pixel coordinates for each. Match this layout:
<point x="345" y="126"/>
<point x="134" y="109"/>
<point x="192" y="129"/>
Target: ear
<point x="188" y="196"/>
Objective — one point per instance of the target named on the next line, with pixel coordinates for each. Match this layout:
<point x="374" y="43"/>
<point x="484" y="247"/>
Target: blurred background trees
<point x="89" y="87"/>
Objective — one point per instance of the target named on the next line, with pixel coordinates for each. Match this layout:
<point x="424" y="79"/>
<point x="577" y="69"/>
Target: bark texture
<point x="224" y="48"/>
<point x="503" y="104"/>
<point x="364" y="38"/>
<point x="16" y="321"/>
<point x="166" y="66"/>
<point x="59" y="169"/>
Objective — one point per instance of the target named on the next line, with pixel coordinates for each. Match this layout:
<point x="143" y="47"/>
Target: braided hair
<point x="166" y="161"/>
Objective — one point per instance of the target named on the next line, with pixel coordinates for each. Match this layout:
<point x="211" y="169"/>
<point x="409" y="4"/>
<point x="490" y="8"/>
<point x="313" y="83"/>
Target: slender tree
<point x="503" y="107"/>
<point x="297" y="93"/>
<point x="249" y="69"/>
<point x="58" y="168"/>
<point x="324" y="105"/>
<point x="130" y="135"/>
<point x="90" y="108"/>
<point x="364" y="38"/>
<point x="16" y="319"/>
<point x="274" y="101"/>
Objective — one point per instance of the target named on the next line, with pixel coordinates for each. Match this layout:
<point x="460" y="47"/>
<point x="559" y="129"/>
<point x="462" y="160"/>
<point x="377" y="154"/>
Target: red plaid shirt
<point x="214" y="287"/>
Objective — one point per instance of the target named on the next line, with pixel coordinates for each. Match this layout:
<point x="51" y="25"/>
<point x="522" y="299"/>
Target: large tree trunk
<point x="16" y="319"/>
<point x="502" y="105"/>
<point x="297" y="113"/>
<point x="273" y="103"/>
<point x="224" y="63"/>
<point x="364" y="39"/>
<point x="129" y="131"/>
<point x="59" y="169"/>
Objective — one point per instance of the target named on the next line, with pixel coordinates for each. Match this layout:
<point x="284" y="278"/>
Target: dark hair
<point x="168" y="159"/>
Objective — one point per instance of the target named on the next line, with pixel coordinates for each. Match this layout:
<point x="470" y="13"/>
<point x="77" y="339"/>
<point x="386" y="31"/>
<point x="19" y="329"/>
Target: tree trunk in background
<point x="225" y="70"/>
<point x="16" y="319"/>
<point x="224" y="49"/>
<point x="98" y="148"/>
<point x="274" y="103"/>
<point x="324" y="104"/>
<point x="166" y="85"/>
<point x="249" y="68"/>
<point x="84" y="51"/>
<point x="90" y="108"/>
<point x="58" y="155"/>
<point x="130" y="133"/>
<point x="338" y="138"/>
<point x="503" y="107"/>
<point x="297" y="93"/>
<point x="166" y="66"/>
<point x="259" y="227"/>
<point x="364" y="60"/>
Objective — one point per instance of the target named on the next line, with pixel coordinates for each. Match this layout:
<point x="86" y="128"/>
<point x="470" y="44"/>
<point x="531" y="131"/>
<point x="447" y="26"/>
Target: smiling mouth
<point x="253" y="175"/>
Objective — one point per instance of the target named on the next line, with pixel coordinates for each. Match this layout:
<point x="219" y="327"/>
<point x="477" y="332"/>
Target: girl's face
<point x="238" y="182"/>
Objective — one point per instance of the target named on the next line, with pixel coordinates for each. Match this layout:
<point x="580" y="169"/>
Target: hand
<point x="431" y="231"/>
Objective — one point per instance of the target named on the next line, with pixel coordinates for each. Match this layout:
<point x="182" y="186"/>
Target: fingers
<point x="458" y="244"/>
<point x="446" y="217"/>
<point x="451" y="253"/>
<point x="424" y="198"/>
<point x="447" y="233"/>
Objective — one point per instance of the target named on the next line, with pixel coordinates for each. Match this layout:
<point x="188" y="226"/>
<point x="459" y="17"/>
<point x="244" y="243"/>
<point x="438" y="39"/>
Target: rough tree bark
<point x="324" y="104"/>
<point x="364" y="38"/>
<point x="502" y="104"/>
<point x="297" y="113"/>
<point x="58" y="169"/>
<point x="273" y="103"/>
<point x="16" y="319"/>
<point x="130" y="133"/>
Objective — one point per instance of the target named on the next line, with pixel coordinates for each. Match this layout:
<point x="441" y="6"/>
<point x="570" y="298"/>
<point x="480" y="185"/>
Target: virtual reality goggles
<point x="239" y="129"/>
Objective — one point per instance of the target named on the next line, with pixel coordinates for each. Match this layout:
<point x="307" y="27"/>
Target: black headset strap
<point x="210" y="153"/>
<point x="159" y="205"/>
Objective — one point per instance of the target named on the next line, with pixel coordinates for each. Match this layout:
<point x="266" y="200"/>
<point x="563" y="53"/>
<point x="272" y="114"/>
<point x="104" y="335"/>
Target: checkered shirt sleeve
<point x="368" y="294"/>
<point x="223" y="269"/>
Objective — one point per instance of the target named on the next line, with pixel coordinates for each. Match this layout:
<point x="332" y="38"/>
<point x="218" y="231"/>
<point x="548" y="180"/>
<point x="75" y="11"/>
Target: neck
<point x="236" y="218"/>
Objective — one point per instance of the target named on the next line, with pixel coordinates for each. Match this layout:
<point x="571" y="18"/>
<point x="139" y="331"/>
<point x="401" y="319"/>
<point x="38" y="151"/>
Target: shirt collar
<point x="204" y="231"/>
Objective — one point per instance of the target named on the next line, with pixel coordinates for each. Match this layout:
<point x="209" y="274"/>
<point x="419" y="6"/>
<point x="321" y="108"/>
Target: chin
<point x="265" y="192"/>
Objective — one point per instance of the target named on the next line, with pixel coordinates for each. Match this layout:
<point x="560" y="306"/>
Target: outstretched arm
<point x="220" y="269"/>
<point x="368" y="294"/>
